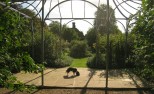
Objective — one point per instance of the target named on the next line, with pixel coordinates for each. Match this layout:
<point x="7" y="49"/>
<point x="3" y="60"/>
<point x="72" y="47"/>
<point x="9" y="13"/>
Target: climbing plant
<point x="13" y="58"/>
<point x="143" y="52"/>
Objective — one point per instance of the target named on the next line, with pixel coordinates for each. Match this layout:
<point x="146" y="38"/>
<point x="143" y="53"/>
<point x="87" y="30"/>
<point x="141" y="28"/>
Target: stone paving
<point x="88" y="78"/>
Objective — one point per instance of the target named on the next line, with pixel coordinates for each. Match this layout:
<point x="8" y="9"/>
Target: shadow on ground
<point x="91" y="74"/>
<point x="69" y="77"/>
<point x="113" y="73"/>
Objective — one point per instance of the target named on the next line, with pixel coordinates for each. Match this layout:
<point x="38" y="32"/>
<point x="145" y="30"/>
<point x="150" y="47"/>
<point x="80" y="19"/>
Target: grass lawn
<point x="82" y="63"/>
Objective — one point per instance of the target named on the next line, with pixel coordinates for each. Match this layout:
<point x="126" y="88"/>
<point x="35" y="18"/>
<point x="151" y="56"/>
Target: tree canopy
<point x="66" y="33"/>
<point x="100" y="23"/>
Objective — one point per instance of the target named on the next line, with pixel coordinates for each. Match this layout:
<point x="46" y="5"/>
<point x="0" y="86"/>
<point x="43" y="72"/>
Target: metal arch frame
<point x="129" y="5"/>
<point x="97" y="7"/>
<point x="71" y="7"/>
<point x="79" y="19"/>
<point x="125" y="1"/>
<point x="117" y="7"/>
<point x="33" y="9"/>
<point x="126" y="18"/>
<point x="108" y="19"/>
<point x="15" y="10"/>
<point x="121" y="24"/>
<point x="108" y="22"/>
<point x="123" y="7"/>
<point x="30" y="4"/>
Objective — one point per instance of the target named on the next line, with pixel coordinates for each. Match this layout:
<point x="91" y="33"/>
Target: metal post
<point x="97" y="48"/>
<point x="32" y="30"/>
<point x="60" y="31"/>
<point x="96" y="28"/>
<point x="108" y="52"/>
<point x="42" y="35"/>
<point x="126" y="31"/>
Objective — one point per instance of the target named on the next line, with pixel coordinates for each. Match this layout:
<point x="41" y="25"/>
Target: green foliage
<point x="50" y="44"/>
<point x="61" y="62"/>
<point x="78" y="49"/>
<point x="11" y="40"/>
<point x="9" y="81"/>
<point x="66" y="33"/>
<point x="116" y="45"/>
<point x="36" y="20"/>
<point x="97" y="40"/>
<point x="13" y="57"/>
<point x="55" y="27"/>
<point x="53" y="52"/>
<point x="143" y="45"/>
<point x="70" y="34"/>
<point x="98" y="62"/>
<point x="100" y="22"/>
<point x="29" y="64"/>
<point x="147" y="4"/>
<point x="6" y="78"/>
<point x="117" y="50"/>
<point x="91" y="38"/>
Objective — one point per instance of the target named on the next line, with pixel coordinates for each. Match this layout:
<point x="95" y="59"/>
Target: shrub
<point x="78" y="49"/>
<point x="60" y="62"/>
<point x="100" y="64"/>
<point x="50" y="50"/>
<point x="12" y="56"/>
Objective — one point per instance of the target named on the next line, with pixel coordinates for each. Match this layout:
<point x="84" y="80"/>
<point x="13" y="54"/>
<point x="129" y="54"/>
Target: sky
<point x="81" y="9"/>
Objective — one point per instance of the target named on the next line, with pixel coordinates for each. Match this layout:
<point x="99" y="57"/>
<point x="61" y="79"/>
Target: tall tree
<point x="91" y="38"/>
<point x="100" y="23"/>
<point x="69" y="34"/>
<point x="55" y="27"/>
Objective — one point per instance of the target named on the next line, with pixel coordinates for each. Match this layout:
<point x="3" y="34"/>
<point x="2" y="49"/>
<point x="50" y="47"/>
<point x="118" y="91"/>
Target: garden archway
<point x="46" y="17"/>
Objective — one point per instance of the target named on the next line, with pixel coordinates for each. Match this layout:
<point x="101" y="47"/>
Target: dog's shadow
<point x="69" y="77"/>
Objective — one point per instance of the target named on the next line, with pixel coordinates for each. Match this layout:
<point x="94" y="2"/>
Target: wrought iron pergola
<point x="44" y="8"/>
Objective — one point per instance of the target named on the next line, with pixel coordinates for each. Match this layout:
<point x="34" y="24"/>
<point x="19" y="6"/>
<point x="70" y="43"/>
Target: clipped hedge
<point x="99" y="64"/>
<point x="60" y="62"/>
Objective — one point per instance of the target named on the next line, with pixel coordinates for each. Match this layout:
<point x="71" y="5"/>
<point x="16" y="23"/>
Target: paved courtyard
<point x="88" y="78"/>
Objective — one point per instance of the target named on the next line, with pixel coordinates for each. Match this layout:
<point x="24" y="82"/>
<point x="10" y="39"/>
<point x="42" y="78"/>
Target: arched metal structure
<point x="39" y="6"/>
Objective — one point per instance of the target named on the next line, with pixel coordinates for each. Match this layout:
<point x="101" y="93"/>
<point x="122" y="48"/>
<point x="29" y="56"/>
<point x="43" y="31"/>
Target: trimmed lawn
<point x="80" y="63"/>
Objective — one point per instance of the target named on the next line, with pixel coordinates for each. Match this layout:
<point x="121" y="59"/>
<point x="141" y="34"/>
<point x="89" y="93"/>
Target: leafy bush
<point x="38" y="46"/>
<point x="60" y="62"/>
<point x="12" y="56"/>
<point x="52" y="50"/>
<point x="143" y="49"/>
<point x="99" y="64"/>
<point x="78" y="49"/>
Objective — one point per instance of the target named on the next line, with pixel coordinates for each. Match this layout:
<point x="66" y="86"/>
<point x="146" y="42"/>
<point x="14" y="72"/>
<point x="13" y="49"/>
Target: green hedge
<point x="99" y="64"/>
<point x="60" y="62"/>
